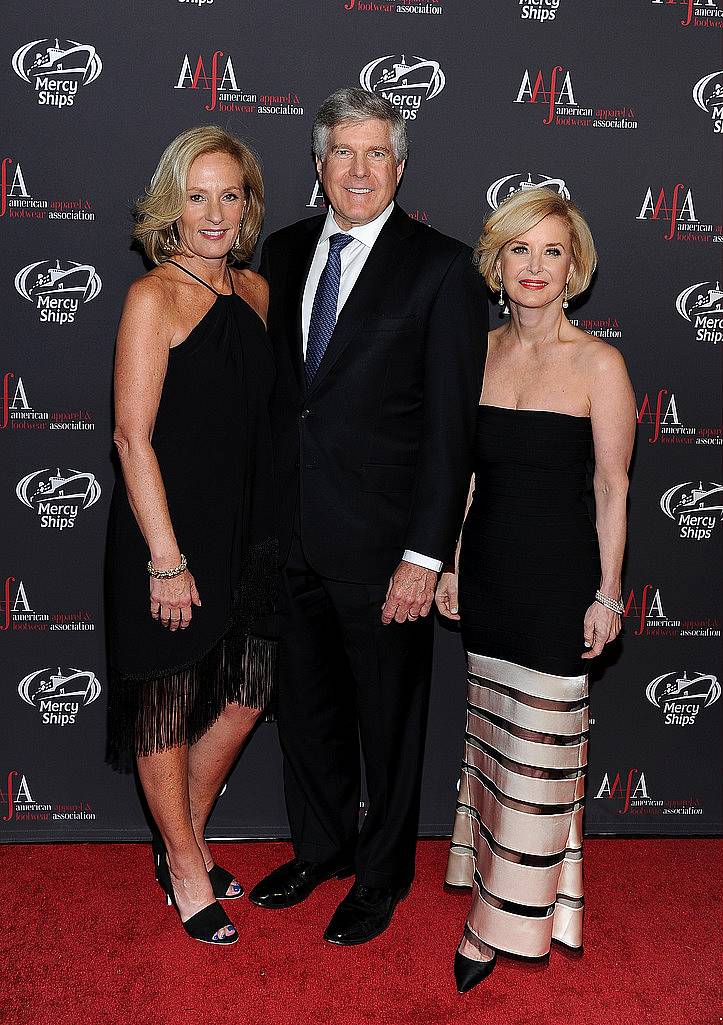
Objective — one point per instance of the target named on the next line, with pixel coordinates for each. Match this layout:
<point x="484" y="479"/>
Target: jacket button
<point x="305" y="413"/>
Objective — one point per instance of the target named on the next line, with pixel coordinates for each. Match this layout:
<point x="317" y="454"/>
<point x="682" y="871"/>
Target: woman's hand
<point x="172" y="600"/>
<point x="446" y="595"/>
<point x="601" y="627"/>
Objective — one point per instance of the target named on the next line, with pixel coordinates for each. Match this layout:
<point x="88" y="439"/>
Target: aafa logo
<point x="58" y="497"/>
<point x="226" y="95"/>
<point x="661" y="413"/>
<point x="13" y="190"/>
<point x="17" y="796"/>
<point x="708" y="95"/>
<point x="631" y="793"/>
<point x="559" y="92"/>
<point x="406" y="84"/>
<point x="18" y="203"/>
<point x="510" y="183"/>
<point x="678" y="209"/>
<point x="701" y="13"/>
<point x="58" y="291"/>
<point x="647" y="609"/>
<point x="18" y="414"/>
<point x="15" y="607"/>
<point x="57" y="71"/>
<point x="681" y="697"/>
<point x="14" y="399"/>
<point x="695" y="507"/>
<point x="59" y="695"/>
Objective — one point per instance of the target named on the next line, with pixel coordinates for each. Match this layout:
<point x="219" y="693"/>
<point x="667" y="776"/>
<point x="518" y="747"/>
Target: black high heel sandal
<point x="220" y="878"/>
<point x="204" y="925"/>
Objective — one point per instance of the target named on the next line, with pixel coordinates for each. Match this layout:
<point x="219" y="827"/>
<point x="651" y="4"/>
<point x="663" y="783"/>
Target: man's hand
<point x="410" y="593"/>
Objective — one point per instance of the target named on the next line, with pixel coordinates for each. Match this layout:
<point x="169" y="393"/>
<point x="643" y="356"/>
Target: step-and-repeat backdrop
<point x="618" y="105"/>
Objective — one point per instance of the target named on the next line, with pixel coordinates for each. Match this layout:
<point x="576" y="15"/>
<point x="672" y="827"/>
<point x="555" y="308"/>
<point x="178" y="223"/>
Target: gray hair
<point x="357" y="105"/>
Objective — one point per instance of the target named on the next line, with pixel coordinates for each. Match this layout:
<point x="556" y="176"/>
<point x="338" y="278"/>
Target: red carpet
<point x="87" y="939"/>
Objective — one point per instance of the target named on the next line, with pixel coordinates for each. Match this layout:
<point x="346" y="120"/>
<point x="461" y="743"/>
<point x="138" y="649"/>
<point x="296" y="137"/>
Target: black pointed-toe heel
<point x="204" y="925"/>
<point x="468" y="973"/>
<point x="220" y="878"/>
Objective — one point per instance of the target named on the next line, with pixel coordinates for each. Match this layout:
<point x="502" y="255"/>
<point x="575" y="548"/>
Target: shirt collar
<point x="367" y="234"/>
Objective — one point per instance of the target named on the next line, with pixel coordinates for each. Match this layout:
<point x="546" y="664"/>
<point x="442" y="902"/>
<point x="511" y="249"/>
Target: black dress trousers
<point x="347" y="677"/>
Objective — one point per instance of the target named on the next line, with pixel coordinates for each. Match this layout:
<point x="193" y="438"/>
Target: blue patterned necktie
<point x="323" y="312"/>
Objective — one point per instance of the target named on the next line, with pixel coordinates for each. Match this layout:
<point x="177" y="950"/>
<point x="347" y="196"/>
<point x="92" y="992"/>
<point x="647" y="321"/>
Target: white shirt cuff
<point x="422" y="560"/>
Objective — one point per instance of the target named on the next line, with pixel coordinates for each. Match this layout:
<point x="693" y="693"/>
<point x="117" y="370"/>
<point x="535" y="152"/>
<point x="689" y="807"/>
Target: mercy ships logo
<point x="696" y="508"/>
<point x="508" y="184"/>
<point x="681" y="697"/>
<point x="59" y="696"/>
<point x="58" y="497"/>
<point x="407" y="84"/>
<point x="58" y="291"/>
<point x="56" y="71"/>
<point x="702" y="306"/>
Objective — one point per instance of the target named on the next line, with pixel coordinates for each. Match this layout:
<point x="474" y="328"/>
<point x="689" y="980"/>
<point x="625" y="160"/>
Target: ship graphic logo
<point x="692" y="498"/>
<point x="673" y="688"/>
<point x="701" y="299"/>
<point x="708" y="94"/>
<point x="65" y="686"/>
<point x="45" y="279"/>
<point x="59" y="60"/>
<point x="511" y="183"/>
<point x="404" y="82"/>
<point x="44" y="486"/>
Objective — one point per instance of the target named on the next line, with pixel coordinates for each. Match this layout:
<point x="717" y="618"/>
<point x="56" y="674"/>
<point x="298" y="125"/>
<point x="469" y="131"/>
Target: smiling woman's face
<point x="214" y="206"/>
<point x="536" y="265"/>
<point x="359" y="173"/>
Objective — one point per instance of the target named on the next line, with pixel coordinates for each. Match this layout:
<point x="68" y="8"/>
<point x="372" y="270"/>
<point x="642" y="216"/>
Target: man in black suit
<point x="379" y="325"/>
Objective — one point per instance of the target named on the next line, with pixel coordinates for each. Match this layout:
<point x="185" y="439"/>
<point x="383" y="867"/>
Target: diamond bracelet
<point x="166" y="574"/>
<point x="615" y="605"/>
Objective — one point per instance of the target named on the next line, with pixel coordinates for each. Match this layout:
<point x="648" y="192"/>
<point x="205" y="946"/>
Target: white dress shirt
<point x="353" y="258"/>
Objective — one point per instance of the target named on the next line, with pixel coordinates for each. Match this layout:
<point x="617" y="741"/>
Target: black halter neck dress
<point x="212" y="442"/>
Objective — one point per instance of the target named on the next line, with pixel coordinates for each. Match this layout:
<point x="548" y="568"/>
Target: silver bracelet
<point x="613" y="604"/>
<point x="166" y="574"/>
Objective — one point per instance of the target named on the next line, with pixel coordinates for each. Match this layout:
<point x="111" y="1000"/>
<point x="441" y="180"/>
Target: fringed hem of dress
<point x="146" y="716"/>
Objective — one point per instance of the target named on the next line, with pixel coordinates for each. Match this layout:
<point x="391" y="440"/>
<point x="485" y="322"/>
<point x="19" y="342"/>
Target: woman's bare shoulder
<point x="254" y="289"/>
<point x="151" y="292"/>
<point x="600" y="356"/>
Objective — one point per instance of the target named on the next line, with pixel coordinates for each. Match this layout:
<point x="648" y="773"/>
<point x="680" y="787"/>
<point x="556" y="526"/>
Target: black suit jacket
<point x="378" y="451"/>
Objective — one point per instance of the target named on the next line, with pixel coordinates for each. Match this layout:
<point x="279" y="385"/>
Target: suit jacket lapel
<point x="364" y="295"/>
<point x="299" y="257"/>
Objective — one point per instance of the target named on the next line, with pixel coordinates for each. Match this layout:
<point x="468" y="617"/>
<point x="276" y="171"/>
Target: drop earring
<point x="501" y="300"/>
<point x="172" y="243"/>
<point x="565" y="303"/>
<point x="237" y="243"/>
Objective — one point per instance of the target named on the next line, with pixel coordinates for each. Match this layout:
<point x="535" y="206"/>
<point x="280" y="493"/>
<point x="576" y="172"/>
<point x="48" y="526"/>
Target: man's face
<point x="359" y="173"/>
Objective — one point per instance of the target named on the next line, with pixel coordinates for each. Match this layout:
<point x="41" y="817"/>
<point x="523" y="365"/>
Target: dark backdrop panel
<point x="634" y="119"/>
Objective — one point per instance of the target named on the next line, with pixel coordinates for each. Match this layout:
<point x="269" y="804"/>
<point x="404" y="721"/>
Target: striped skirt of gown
<point x="517" y="838"/>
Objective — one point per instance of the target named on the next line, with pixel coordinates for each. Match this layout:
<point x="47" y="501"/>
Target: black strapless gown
<point x="529" y="568"/>
<point x="212" y="442"/>
<point x="529" y="560"/>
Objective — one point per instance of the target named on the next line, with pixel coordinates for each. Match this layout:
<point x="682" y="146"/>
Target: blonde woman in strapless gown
<point x="536" y="586"/>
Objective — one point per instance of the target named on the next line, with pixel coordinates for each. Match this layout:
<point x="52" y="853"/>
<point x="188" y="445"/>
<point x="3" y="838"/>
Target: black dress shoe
<point x="468" y="972"/>
<point x="295" y="881"/>
<point x="364" y="913"/>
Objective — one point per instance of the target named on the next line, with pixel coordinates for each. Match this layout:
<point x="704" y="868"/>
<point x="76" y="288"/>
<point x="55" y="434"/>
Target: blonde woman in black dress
<point x="191" y="555"/>
<point x="539" y="590"/>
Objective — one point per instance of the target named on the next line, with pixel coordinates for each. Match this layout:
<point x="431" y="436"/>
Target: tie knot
<point x="339" y="241"/>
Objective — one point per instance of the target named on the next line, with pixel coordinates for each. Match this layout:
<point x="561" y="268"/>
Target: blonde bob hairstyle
<point x="522" y="211"/>
<point x="165" y="198"/>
